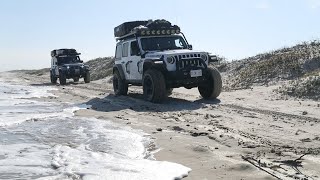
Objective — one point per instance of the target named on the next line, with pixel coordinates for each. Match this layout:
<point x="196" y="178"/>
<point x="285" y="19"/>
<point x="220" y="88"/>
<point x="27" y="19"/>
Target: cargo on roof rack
<point x="145" y="28"/>
<point x="64" y="52"/>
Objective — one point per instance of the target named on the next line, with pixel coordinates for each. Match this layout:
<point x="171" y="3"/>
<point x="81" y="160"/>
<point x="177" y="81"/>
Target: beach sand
<point x="244" y="134"/>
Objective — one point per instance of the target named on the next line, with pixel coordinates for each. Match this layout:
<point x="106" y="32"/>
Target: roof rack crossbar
<point x="133" y="34"/>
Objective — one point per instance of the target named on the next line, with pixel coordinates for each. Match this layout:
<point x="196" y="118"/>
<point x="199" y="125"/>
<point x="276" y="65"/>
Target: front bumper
<point x="75" y="72"/>
<point x="183" y="78"/>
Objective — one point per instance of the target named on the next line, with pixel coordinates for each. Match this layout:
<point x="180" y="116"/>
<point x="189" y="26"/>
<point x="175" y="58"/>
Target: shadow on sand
<point x="137" y="103"/>
<point x="57" y="84"/>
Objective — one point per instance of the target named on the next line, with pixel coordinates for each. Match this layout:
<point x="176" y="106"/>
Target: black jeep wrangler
<point x="66" y="64"/>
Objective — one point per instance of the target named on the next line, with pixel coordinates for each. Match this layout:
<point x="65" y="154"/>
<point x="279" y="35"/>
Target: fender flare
<point x="118" y="67"/>
<point x="154" y="64"/>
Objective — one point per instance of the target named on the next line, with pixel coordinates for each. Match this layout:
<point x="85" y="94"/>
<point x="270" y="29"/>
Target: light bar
<point x="155" y="32"/>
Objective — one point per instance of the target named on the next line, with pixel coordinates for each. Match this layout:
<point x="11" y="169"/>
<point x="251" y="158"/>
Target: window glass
<point x="125" y="48"/>
<point x="135" y="51"/>
<point x="118" y="51"/>
<point x="179" y="43"/>
<point x="163" y="43"/>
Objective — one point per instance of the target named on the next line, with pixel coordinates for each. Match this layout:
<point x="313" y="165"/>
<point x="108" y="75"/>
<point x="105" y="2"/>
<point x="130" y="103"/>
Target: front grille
<point x="75" y="70"/>
<point x="189" y="61"/>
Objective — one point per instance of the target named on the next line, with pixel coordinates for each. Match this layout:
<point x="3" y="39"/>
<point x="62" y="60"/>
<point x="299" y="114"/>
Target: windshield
<point x="163" y="43"/>
<point x="68" y="60"/>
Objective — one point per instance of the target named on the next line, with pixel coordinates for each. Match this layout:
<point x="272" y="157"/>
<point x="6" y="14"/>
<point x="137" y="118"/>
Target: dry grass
<point x="283" y="64"/>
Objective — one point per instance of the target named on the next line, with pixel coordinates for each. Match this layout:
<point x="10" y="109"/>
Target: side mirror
<point x="213" y="58"/>
<point x="81" y="61"/>
<point x="190" y="47"/>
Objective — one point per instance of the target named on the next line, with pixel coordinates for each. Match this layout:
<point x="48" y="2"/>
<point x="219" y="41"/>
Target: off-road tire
<point x="53" y="79"/>
<point x="62" y="78"/>
<point x="169" y="91"/>
<point x="120" y="87"/>
<point x="76" y="79"/>
<point x="154" y="86"/>
<point x="87" y="77"/>
<point x="212" y="88"/>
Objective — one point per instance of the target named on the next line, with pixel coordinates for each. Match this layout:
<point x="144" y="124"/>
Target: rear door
<point x="119" y="60"/>
<point x="55" y="66"/>
<point x="125" y="60"/>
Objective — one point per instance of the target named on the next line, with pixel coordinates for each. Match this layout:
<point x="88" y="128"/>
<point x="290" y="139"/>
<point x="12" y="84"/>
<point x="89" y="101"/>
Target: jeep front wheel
<point x="154" y="86"/>
<point x="87" y="77"/>
<point x="212" y="88"/>
<point x="62" y="78"/>
<point x="120" y="87"/>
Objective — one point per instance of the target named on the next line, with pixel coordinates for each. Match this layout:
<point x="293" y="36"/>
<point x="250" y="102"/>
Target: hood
<point x="158" y="54"/>
<point x="74" y="64"/>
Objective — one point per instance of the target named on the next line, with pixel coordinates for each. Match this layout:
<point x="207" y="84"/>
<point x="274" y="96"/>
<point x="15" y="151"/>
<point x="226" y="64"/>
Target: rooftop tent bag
<point x="64" y="52"/>
<point x="127" y="27"/>
<point x="71" y="52"/>
<point x="159" y="24"/>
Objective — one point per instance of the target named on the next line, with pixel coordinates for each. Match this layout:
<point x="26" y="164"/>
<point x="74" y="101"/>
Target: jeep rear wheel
<point x="87" y="77"/>
<point x="53" y="79"/>
<point x="169" y="91"/>
<point x="154" y="86"/>
<point x="212" y="88"/>
<point x="62" y="78"/>
<point x="120" y="87"/>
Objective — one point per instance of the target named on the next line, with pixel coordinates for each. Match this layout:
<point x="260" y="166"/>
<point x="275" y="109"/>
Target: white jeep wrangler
<point x="157" y="56"/>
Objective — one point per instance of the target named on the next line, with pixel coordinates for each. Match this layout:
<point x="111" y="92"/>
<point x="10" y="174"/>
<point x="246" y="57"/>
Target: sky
<point x="235" y="29"/>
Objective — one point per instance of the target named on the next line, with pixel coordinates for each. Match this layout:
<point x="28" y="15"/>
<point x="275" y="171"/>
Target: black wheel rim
<point x="148" y="87"/>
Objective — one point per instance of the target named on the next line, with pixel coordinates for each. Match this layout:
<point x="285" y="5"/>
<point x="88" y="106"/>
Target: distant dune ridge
<point x="100" y="67"/>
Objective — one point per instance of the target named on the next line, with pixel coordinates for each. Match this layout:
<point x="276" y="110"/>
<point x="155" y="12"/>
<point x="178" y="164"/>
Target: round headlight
<point x="204" y="57"/>
<point x="168" y="31"/>
<point x="148" y="32"/>
<point x="158" y="32"/>
<point x="170" y="60"/>
<point x="143" y="33"/>
<point x="173" y="31"/>
<point x="153" y="32"/>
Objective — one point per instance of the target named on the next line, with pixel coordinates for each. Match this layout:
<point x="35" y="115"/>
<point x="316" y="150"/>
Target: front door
<point x="135" y="59"/>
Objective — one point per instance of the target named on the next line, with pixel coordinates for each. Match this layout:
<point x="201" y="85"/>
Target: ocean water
<point x="41" y="140"/>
